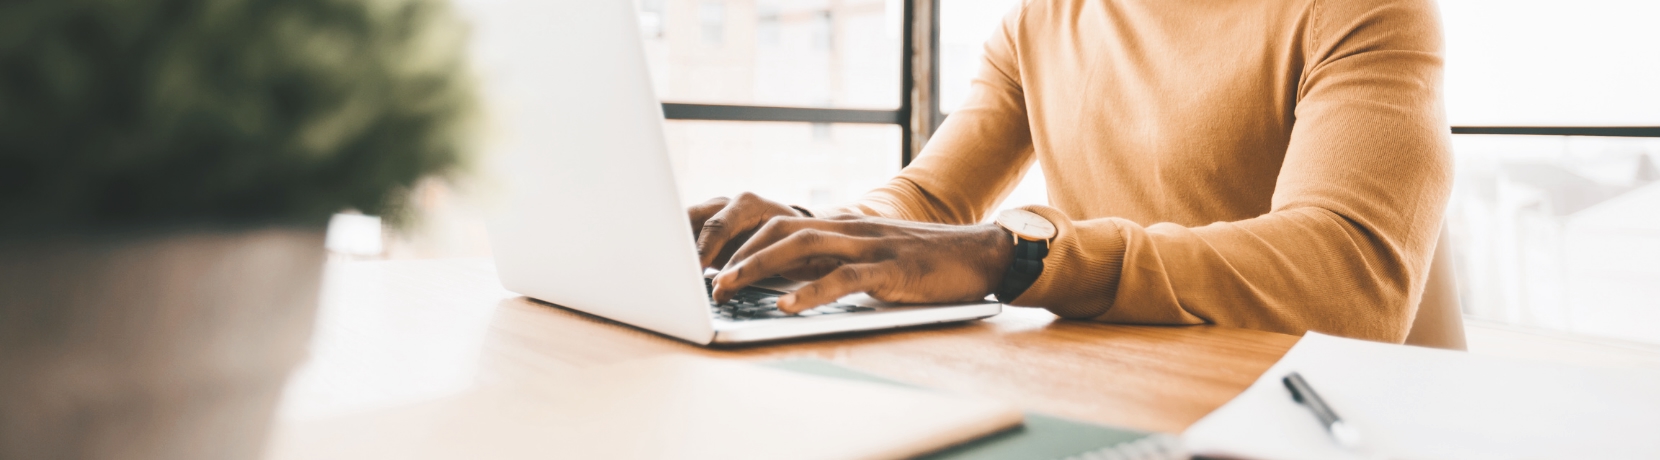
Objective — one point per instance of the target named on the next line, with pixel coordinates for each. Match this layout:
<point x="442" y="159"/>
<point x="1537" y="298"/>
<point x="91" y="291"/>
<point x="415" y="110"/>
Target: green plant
<point x="137" y="113"/>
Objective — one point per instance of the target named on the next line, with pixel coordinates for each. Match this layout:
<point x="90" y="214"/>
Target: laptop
<point x="590" y="218"/>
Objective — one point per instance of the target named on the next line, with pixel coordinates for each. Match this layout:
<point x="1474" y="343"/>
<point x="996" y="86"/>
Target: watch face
<point x="1026" y="224"/>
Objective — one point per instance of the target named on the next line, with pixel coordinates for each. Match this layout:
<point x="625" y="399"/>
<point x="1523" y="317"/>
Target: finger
<point x="815" y="268"/>
<point x="741" y="215"/>
<point x="702" y="211"/>
<point x="770" y="232"/>
<point x="713" y="235"/>
<point x="777" y="229"/>
<point x="722" y="228"/>
<point x="794" y="252"/>
<point x="848" y="279"/>
<point x="726" y="252"/>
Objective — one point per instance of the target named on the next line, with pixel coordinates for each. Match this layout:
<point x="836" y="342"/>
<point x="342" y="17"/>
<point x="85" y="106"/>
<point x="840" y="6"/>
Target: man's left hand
<point x="890" y="260"/>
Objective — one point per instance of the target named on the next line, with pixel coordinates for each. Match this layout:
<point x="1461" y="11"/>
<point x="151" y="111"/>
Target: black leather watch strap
<point x="1025" y="270"/>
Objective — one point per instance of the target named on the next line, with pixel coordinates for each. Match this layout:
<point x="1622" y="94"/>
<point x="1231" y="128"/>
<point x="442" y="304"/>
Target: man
<point x="1271" y="164"/>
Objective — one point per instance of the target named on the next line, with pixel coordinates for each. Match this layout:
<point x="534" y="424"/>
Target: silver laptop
<point x="591" y="219"/>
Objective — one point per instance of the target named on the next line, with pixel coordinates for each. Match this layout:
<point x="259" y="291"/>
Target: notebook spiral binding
<point x="1152" y="447"/>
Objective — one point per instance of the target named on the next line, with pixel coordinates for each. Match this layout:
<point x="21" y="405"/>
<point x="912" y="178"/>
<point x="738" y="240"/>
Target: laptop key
<point x="759" y="304"/>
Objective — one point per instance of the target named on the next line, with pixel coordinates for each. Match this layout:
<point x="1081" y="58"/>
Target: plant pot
<point x="160" y="345"/>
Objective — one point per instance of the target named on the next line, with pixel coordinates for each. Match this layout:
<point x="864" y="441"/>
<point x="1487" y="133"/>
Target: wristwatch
<point x="1031" y="244"/>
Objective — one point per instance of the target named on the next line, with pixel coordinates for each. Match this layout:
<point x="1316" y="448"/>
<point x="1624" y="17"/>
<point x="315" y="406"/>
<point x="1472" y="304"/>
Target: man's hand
<point x="722" y="225"/>
<point x="891" y="260"/>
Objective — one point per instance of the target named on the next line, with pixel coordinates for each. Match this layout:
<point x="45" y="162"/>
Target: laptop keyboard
<point x="755" y="303"/>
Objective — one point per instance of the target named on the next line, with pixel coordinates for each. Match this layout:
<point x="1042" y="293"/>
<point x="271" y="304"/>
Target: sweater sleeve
<point x="1346" y="245"/>
<point x="976" y="157"/>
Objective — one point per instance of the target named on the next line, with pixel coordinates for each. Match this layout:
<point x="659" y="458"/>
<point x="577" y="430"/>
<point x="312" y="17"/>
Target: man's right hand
<point x="722" y="225"/>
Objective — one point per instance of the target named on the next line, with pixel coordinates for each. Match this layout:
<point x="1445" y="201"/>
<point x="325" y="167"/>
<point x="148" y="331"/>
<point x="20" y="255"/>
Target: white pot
<point x="168" y="345"/>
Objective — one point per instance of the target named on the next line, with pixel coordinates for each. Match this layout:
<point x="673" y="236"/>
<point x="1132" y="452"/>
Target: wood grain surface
<point x="1142" y="377"/>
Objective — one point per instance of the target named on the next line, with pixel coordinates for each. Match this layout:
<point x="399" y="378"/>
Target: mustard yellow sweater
<point x="1272" y="164"/>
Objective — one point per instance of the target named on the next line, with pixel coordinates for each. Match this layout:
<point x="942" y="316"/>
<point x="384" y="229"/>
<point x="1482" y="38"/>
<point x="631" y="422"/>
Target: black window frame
<point x="919" y="88"/>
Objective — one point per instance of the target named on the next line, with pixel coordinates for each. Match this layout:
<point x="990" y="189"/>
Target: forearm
<point x="1288" y="271"/>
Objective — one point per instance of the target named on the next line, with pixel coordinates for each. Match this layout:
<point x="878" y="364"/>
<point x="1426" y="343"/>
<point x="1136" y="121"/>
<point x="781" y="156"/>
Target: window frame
<point x="918" y="87"/>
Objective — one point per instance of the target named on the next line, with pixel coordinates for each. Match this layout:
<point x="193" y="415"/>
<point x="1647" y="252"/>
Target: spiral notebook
<point x="1040" y="437"/>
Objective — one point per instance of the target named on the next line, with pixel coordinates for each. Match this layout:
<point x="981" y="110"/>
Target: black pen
<point x="1304" y="394"/>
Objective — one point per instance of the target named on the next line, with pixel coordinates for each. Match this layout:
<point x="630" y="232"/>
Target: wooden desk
<point x="393" y="333"/>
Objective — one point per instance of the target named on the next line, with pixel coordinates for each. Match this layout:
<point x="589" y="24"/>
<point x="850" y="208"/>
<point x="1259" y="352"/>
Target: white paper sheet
<point x="1421" y="403"/>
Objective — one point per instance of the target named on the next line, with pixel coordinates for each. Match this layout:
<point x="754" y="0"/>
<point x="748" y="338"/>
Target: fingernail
<point x="786" y="301"/>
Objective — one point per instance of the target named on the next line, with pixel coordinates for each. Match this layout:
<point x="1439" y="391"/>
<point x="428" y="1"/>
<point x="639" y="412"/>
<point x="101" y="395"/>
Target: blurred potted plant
<point x="167" y="168"/>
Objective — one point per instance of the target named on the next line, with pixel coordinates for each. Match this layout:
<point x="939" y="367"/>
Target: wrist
<point x="997" y="244"/>
<point x="1029" y="244"/>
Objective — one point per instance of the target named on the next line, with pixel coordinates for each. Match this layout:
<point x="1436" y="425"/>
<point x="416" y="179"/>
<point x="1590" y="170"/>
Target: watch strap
<point x="1024" y="271"/>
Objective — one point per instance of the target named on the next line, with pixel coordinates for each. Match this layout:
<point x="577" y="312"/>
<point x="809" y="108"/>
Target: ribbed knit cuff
<point x="1080" y="274"/>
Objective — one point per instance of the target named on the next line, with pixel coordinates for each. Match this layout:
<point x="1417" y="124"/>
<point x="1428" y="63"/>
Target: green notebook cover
<point x="1041" y="437"/>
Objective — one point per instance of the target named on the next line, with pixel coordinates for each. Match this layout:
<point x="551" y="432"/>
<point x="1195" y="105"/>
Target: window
<point x="792" y="162"/>
<point x="1550" y="63"/>
<point x="1556" y="232"/>
<point x="777" y="53"/>
<point x="1559" y="232"/>
<point x="794" y="86"/>
<point x="651" y="19"/>
<point x="712" y="16"/>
